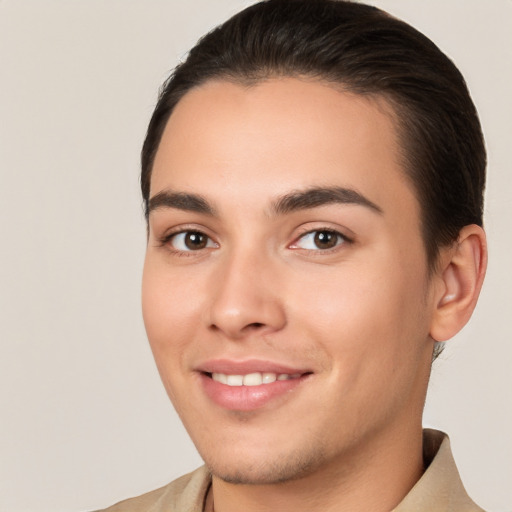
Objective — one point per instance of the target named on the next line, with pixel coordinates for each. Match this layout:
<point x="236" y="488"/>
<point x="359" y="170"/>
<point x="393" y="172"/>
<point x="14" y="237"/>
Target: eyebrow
<point x="180" y="201"/>
<point x="294" y="201"/>
<point x="320" y="196"/>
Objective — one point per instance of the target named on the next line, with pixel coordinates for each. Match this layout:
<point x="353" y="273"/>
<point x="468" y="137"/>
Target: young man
<point x="313" y="177"/>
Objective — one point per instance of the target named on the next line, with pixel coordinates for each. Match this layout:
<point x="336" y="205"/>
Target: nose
<point x="246" y="297"/>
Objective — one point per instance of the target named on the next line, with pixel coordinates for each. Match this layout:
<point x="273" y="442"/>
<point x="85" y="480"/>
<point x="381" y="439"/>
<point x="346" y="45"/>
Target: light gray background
<point x="84" y="420"/>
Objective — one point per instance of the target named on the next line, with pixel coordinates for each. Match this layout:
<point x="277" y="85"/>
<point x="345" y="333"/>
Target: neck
<point x="374" y="477"/>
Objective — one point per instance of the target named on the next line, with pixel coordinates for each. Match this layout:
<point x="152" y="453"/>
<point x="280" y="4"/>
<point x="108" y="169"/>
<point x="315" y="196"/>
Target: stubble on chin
<point x="271" y="471"/>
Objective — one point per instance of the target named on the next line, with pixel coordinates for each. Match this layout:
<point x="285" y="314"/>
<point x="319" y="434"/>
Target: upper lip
<point x="231" y="367"/>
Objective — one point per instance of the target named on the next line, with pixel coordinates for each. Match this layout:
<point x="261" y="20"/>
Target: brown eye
<point x="187" y="241"/>
<point x="320" y="239"/>
<point x="195" y="240"/>
<point x="326" y="239"/>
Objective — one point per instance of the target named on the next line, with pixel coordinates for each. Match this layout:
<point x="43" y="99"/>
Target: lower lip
<point x="247" y="398"/>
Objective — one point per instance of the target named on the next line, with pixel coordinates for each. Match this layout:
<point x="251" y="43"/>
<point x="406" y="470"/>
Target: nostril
<point x="249" y="327"/>
<point x="255" y="325"/>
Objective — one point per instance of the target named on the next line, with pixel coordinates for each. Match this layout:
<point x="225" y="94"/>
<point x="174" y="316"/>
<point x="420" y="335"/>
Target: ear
<point x="460" y="274"/>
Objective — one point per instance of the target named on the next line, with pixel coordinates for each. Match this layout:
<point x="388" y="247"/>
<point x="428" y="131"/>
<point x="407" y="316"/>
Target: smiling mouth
<point x="252" y="379"/>
<point x="248" y="390"/>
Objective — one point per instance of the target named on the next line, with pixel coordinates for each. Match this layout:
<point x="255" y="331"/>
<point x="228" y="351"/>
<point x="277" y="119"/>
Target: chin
<point x="268" y="470"/>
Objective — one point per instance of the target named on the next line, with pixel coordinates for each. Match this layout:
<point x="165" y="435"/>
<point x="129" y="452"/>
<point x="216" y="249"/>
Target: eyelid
<point x="166" y="239"/>
<point x="178" y="241"/>
<point x="343" y="239"/>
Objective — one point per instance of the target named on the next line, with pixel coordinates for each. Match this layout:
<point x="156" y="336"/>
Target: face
<point x="285" y="294"/>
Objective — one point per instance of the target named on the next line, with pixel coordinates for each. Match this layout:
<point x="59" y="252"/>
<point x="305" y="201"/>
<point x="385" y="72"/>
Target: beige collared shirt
<point x="439" y="489"/>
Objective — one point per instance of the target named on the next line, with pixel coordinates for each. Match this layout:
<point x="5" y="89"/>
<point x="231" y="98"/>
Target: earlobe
<point x="461" y="276"/>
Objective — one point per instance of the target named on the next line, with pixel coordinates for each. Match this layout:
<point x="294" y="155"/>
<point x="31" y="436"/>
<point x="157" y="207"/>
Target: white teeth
<point x="268" y="378"/>
<point x="234" y="380"/>
<point x="252" y="379"/>
<point x="220" y="377"/>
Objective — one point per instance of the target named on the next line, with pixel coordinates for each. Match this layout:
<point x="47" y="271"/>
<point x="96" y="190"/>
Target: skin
<point x="360" y="316"/>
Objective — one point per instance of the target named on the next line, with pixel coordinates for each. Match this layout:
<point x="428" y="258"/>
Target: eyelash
<point x="341" y="240"/>
<point x="167" y="241"/>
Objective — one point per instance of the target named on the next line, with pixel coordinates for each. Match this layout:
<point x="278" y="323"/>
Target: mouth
<point x="252" y="379"/>
<point x="241" y="387"/>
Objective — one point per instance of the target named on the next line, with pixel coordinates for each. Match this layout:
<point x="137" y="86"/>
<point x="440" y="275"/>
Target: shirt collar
<point x="440" y="488"/>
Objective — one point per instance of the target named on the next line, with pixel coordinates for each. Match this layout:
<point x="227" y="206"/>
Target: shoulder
<point x="186" y="494"/>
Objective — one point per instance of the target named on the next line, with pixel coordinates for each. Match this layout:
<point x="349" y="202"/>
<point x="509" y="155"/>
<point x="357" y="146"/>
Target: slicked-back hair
<point x="363" y="50"/>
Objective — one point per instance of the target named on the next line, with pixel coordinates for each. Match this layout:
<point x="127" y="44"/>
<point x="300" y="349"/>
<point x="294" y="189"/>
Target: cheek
<point x="165" y="318"/>
<point x="167" y="309"/>
<point x="367" y="309"/>
<point x="368" y="326"/>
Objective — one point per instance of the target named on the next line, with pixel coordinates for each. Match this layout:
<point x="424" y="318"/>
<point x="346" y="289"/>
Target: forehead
<point x="278" y="135"/>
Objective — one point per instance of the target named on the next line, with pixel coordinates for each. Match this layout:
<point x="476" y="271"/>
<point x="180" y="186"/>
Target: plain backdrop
<point x="84" y="420"/>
